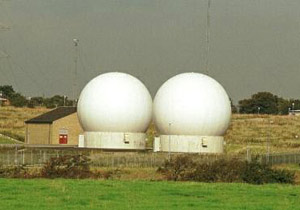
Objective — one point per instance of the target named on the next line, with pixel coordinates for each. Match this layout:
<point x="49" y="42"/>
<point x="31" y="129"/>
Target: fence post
<point x="31" y="158"/>
<point x="23" y="157"/>
<point x="16" y="157"/>
<point x="40" y="158"/>
<point x="8" y="158"/>
<point x="272" y="157"/>
<point x="248" y="158"/>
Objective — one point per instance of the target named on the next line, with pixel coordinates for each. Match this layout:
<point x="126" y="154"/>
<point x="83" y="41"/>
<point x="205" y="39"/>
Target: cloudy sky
<point x="254" y="44"/>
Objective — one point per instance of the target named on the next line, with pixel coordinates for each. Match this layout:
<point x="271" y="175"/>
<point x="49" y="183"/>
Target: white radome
<point x="115" y="102"/>
<point x="192" y="104"/>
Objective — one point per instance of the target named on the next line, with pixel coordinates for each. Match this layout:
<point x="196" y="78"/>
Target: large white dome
<point x="192" y="104"/>
<point x="115" y="102"/>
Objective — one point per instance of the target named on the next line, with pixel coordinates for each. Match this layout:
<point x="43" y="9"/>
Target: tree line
<point x="18" y="100"/>
<point x="267" y="103"/>
<point x="258" y="103"/>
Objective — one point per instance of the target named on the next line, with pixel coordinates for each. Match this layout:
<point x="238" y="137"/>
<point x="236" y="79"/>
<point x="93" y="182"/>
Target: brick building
<point x="57" y="127"/>
<point x="294" y="112"/>
<point x="4" y="102"/>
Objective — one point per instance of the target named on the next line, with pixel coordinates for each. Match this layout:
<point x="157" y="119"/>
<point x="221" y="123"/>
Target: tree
<point x="18" y="100"/>
<point x="57" y="101"/>
<point x="262" y="102"/>
<point x="7" y="91"/>
<point x="35" y="101"/>
<point x="293" y="104"/>
<point x="233" y="107"/>
<point x="296" y="104"/>
<point x="283" y="106"/>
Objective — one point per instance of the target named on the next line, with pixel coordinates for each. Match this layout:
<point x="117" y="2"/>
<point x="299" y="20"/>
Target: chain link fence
<point x="20" y="155"/>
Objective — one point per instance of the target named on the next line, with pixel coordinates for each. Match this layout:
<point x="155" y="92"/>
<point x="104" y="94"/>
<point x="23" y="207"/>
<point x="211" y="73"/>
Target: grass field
<point x="4" y="140"/>
<point x="114" y="195"/>
<point x="253" y="131"/>
<point x="12" y="120"/>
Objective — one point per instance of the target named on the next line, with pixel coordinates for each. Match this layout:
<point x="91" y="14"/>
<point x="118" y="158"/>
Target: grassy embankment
<point x="4" y="140"/>
<point x="254" y="131"/>
<point x="245" y="130"/>
<point x="100" y="194"/>
<point x="12" y="122"/>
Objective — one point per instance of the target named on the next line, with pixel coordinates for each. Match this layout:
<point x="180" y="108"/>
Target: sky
<point x="254" y="44"/>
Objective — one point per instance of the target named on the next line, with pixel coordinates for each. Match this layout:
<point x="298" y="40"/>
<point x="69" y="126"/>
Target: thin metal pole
<point x="248" y="154"/>
<point x="268" y="141"/>
<point x="207" y="36"/>
<point x="23" y="157"/>
<point x="76" y="42"/>
<point x="169" y="153"/>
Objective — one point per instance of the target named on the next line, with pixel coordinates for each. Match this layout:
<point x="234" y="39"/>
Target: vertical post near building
<point x="248" y="154"/>
<point x="1" y="95"/>
<point x="269" y="142"/>
<point x="65" y="100"/>
<point x="169" y="153"/>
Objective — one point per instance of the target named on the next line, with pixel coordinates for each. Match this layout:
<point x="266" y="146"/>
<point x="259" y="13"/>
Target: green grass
<point x="114" y="195"/>
<point x="6" y="141"/>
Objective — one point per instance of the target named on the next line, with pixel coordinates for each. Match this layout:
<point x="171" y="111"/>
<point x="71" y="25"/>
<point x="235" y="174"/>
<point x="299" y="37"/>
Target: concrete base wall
<point x="115" y="140"/>
<point x="189" y="144"/>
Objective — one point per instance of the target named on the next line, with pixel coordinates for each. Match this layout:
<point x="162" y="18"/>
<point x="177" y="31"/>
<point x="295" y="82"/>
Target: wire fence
<point x="281" y="158"/>
<point x="37" y="157"/>
<point x="102" y="159"/>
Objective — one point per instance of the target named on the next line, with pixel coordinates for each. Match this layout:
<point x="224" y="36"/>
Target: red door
<point x="63" y="139"/>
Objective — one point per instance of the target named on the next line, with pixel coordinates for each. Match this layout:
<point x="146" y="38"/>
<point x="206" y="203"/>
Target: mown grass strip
<point x="99" y="194"/>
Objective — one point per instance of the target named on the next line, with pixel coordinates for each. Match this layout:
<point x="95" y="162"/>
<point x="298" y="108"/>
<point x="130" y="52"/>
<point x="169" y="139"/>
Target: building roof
<point x="294" y="110"/>
<point x="53" y="115"/>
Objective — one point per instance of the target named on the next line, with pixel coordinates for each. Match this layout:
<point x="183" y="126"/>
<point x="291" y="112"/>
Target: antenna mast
<point x="3" y="28"/>
<point x="76" y="42"/>
<point x="2" y="53"/>
<point x="207" y="36"/>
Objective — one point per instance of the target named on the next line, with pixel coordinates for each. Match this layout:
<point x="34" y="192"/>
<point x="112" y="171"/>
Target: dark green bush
<point x="178" y="168"/>
<point x="14" y="172"/>
<point x="219" y="171"/>
<point x="183" y="168"/>
<point x="69" y="166"/>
